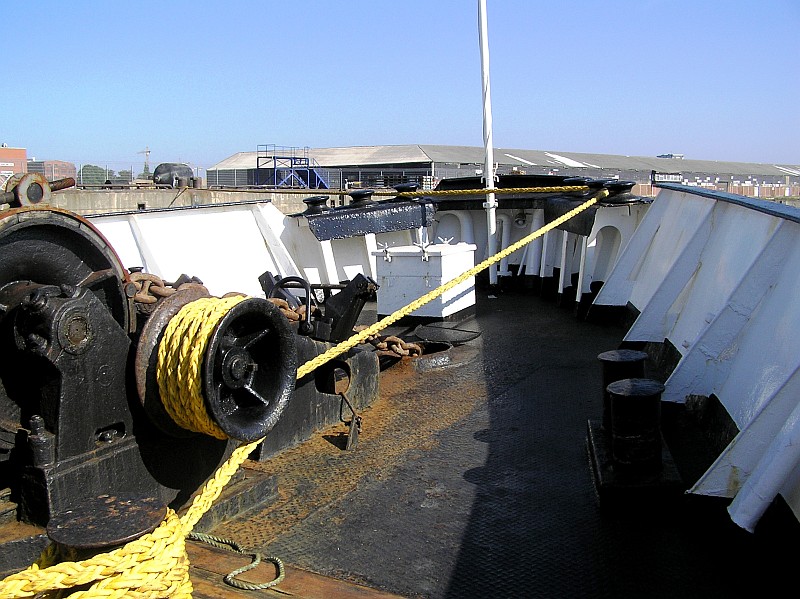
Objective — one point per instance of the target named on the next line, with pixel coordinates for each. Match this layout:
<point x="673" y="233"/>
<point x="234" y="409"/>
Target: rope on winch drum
<point x="180" y="362"/>
<point x="156" y="565"/>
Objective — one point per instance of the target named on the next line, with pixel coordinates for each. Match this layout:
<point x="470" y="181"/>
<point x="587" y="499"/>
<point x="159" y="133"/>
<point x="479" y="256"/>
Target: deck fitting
<point x="622" y="489"/>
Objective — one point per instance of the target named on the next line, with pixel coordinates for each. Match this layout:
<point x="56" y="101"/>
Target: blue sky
<point x="98" y="82"/>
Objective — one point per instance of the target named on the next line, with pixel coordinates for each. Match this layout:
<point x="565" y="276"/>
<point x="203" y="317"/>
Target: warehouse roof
<point x="416" y="154"/>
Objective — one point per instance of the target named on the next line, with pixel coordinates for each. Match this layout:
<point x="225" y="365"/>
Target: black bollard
<point x="619" y="364"/>
<point x="636" y="425"/>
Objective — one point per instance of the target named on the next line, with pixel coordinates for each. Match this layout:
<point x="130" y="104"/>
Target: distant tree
<point x="93" y="175"/>
<point x="127" y="175"/>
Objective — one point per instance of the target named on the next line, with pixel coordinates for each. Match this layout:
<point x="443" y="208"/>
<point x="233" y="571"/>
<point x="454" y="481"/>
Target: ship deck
<point x="473" y="480"/>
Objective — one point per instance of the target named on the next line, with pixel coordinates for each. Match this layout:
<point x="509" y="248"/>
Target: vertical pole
<point x="583" y="276"/>
<point x="564" y="265"/>
<point x="488" y="170"/>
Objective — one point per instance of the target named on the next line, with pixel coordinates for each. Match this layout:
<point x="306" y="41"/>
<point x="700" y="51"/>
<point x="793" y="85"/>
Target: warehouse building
<point x="386" y="166"/>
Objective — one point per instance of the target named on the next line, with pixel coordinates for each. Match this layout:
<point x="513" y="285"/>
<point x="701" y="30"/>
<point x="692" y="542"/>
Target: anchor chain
<point x="293" y="314"/>
<point x="150" y="288"/>
<point x="385" y="345"/>
<point x="390" y="345"/>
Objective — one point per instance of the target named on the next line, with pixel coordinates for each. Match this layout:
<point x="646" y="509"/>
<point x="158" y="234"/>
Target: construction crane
<point x="146" y="153"/>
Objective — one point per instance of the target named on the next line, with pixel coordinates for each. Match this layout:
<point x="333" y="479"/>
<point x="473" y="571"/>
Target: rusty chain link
<point x="391" y="345"/>
<point x="293" y="314"/>
<point x="151" y="288"/>
<point x="385" y="345"/>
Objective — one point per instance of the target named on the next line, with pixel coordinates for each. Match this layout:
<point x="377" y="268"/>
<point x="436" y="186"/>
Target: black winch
<point x="81" y="415"/>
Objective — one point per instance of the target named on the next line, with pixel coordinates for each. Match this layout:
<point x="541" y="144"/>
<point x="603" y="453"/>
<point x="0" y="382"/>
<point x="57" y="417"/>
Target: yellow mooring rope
<point x="467" y="192"/>
<point x="421" y="193"/>
<point x="180" y="359"/>
<point x="156" y="565"/>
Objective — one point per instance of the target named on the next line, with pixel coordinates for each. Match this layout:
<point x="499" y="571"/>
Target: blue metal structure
<point x="280" y="166"/>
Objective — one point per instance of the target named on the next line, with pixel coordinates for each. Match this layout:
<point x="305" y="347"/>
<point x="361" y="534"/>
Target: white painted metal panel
<point x="333" y="261"/>
<point x="613" y="229"/>
<point x="453" y="226"/>
<point x="393" y="239"/>
<point x="768" y="349"/>
<point x="678" y="225"/>
<point x="724" y="347"/>
<point x="274" y="229"/>
<point x="227" y="247"/>
<point x="532" y="256"/>
<point x="352" y="258"/>
<point x="704" y="276"/>
<point x="548" y="254"/>
<point x="315" y="264"/>
<point x="120" y="235"/>
<point x="670" y="223"/>
<point x="750" y="449"/>
<point x="750" y="359"/>
<point x="565" y="253"/>
<point x="739" y="239"/>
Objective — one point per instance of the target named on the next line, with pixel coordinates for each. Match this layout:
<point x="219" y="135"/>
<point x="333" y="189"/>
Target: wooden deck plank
<point x="209" y="565"/>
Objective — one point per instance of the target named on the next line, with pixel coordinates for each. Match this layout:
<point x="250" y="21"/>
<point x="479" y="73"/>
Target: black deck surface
<point x="498" y="501"/>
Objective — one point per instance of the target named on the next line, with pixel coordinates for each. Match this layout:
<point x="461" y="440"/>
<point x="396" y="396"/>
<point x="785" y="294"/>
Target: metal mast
<point x="488" y="169"/>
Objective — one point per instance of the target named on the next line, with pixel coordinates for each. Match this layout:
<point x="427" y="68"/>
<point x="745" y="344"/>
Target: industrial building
<point x="342" y="168"/>
<point x="12" y="160"/>
<point x="15" y="161"/>
<point x="385" y="166"/>
<point x="52" y="169"/>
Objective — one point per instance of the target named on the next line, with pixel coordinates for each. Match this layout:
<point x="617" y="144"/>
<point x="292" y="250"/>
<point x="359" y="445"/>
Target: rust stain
<point x="411" y="409"/>
<point x="734" y="481"/>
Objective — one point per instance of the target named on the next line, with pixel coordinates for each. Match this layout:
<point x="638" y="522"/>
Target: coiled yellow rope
<point x="156" y="565"/>
<point x="180" y="358"/>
